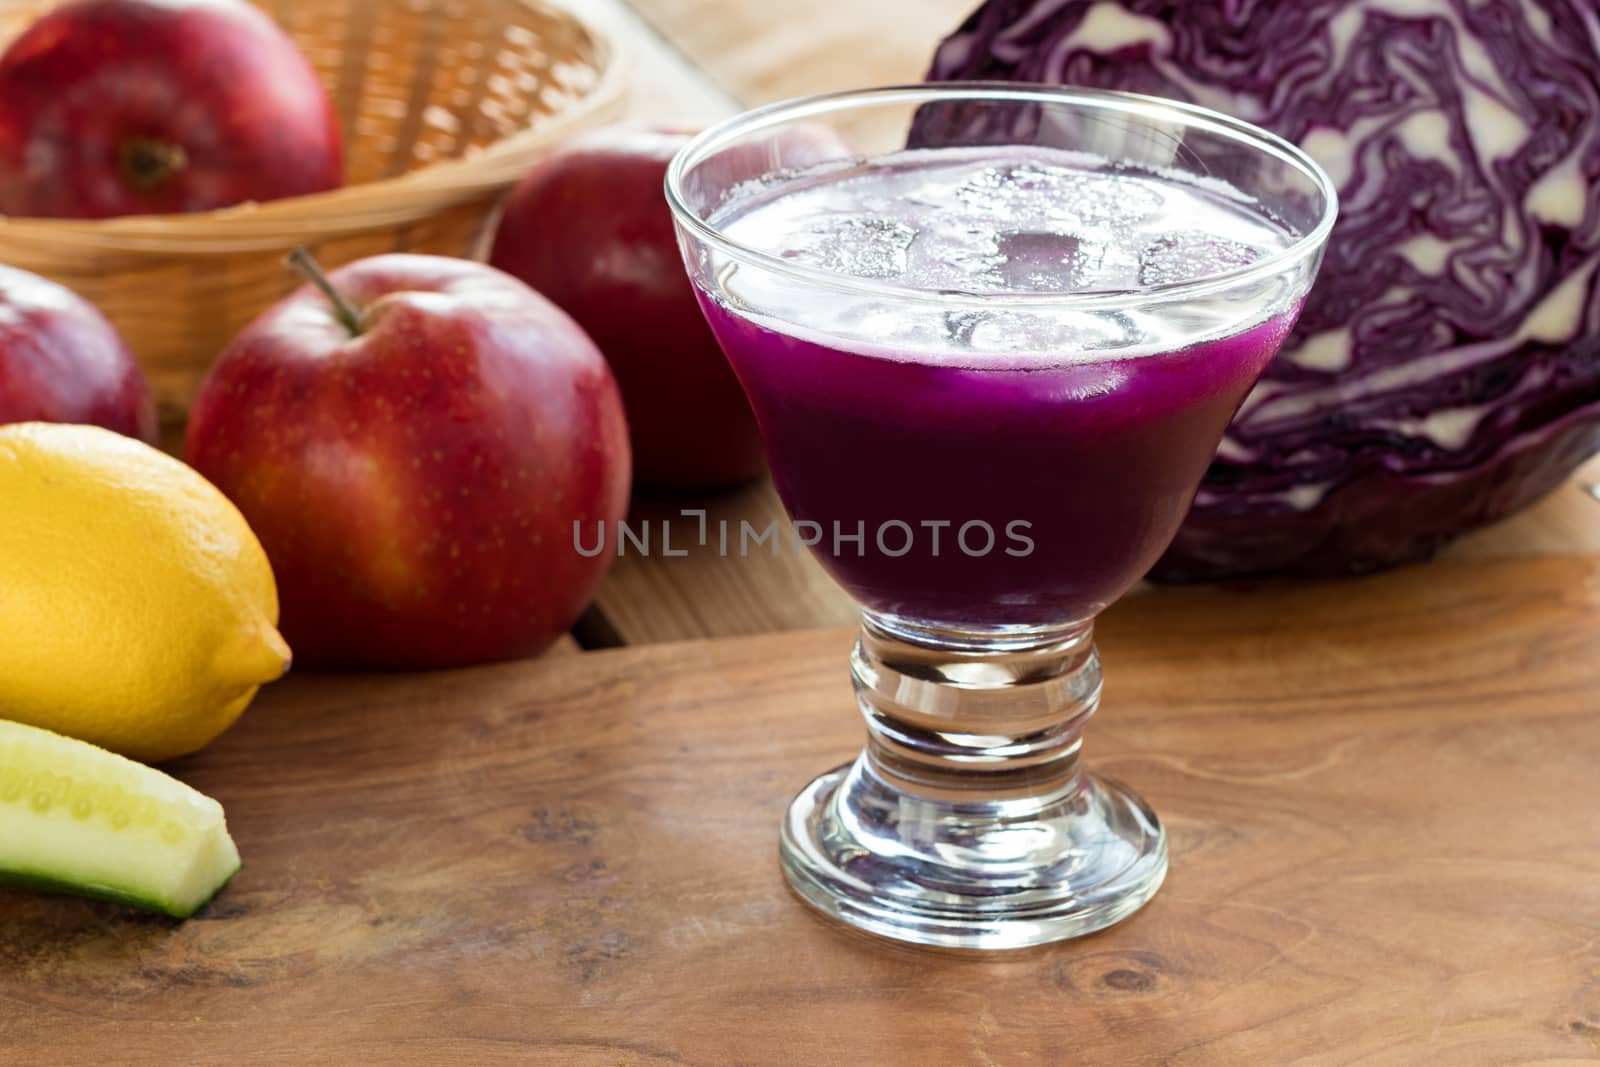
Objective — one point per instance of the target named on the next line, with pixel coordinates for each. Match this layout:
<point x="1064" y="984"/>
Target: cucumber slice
<point x="78" y="819"/>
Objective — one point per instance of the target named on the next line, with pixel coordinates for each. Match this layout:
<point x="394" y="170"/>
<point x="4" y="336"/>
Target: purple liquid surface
<point x="1068" y="444"/>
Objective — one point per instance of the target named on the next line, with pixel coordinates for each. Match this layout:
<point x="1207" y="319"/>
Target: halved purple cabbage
<point x="1446" y="370"/>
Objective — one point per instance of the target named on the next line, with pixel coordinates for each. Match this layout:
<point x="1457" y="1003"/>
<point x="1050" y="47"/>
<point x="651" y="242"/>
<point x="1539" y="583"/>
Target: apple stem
<point x="307" y="265"/>
<point x="148" y="163"/>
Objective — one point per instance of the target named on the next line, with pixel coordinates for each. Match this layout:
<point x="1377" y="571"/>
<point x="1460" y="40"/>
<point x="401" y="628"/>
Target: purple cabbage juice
<point x="970" y="434"/>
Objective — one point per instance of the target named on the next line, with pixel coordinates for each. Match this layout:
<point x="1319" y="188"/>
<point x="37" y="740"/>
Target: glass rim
<point x="1137" y="104"/>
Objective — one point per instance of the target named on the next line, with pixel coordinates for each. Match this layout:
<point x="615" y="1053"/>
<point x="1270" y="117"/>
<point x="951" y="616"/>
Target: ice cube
<point x="1018" y="190"/>
<point x="1114" y="200"/>
<point x="1033" y="194"/>
<point x="865" y="246"/>
<point x="1191" y="255"/>
<point x="1047" y="261"/>
<point x="954" y="258"/>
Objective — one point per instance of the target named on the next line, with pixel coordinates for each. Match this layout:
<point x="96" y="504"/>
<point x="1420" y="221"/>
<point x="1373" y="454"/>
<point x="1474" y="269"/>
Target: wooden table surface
<point x="1383" y="824"/>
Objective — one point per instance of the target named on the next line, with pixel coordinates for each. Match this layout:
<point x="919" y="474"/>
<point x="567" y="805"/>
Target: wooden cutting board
<point x="1383" y="799"/>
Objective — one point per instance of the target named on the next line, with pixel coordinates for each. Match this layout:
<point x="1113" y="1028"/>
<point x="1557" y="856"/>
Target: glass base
<point x="971" y="876"/>
<point x="967" y="823"/>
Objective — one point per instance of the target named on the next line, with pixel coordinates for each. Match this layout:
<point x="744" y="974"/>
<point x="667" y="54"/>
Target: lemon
<point x="137" y="610"/>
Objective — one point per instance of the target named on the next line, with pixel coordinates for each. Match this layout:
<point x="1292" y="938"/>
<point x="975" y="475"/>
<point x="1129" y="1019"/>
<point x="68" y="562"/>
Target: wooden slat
<point x="707" y="593"/>
<point x="765" y="52"/>
<point x="665" y="86"/>
<point x="1381" y="796"/>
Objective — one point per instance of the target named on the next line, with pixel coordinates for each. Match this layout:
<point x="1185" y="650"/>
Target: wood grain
<point x="1382" y="798"/>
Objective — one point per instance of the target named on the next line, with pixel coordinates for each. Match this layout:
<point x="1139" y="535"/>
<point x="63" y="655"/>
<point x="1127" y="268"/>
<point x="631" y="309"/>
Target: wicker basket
<point x="443" y="103"/>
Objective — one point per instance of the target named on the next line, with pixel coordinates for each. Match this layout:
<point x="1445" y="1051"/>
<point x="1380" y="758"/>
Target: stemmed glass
<point x="992" y="335"/>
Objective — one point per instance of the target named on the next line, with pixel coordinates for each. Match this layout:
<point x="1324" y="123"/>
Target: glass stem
<point x="954" y="716"/>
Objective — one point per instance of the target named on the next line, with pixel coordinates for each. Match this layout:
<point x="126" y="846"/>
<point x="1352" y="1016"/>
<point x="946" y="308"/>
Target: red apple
<point x="130" y="107"/>
<point x="590" y="229"/>
<point x="61" y="361"/>
<point x="415" y="459"/>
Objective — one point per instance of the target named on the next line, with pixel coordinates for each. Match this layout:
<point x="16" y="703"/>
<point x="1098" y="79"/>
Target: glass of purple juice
<point x="992" y="335"/>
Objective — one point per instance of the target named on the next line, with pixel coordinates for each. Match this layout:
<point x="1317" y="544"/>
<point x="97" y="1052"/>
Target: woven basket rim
<point x="387" y="201"/>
